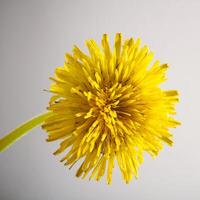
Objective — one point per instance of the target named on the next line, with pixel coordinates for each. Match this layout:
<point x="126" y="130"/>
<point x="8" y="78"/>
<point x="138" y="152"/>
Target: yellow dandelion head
<point x="108" y="108"/>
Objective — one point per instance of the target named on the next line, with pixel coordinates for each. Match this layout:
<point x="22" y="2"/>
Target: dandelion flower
<point x="107" y="108"/>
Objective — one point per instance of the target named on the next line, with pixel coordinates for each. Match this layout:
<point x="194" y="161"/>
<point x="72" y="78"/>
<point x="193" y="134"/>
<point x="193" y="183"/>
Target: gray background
<point x="34" y="35"/>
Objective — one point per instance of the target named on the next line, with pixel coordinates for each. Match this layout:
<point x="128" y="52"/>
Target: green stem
<point x="17" y="133"/>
